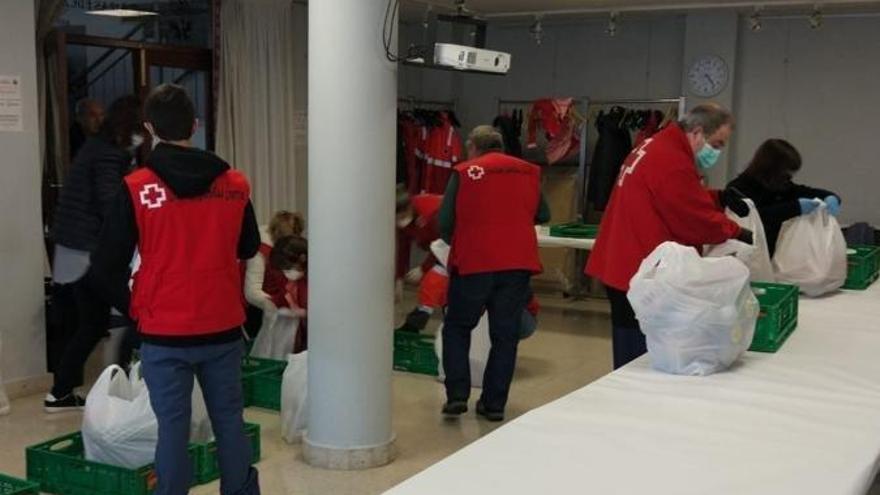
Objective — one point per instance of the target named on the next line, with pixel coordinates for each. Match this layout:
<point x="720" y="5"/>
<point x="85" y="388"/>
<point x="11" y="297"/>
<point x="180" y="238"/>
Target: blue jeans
<point x="504" y="296"/>
<point x="169" y="373"/>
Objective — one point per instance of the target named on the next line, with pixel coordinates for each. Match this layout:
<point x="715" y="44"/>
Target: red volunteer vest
<point x="189" y="282"/>
<point x="498" y="197"/>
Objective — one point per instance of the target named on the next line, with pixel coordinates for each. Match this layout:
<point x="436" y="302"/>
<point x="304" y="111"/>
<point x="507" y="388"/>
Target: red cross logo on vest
<point x="476" y="172"/>
<point x="152" y="196"/>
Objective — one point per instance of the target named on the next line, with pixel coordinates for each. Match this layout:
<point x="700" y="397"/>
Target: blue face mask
<point x="707" y="157"/>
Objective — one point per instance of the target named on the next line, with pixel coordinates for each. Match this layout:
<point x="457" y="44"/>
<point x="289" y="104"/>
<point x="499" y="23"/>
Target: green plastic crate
<point x="207" y="462"/>
<point x="15" y="486"/>
<point x="778" y="317"/>
<point x="60" y="467"/>
<point x="414" y="353"/>
<point x="574" y="230"/>
<point x="261" y="382"/>
<point x="864" y="267"/>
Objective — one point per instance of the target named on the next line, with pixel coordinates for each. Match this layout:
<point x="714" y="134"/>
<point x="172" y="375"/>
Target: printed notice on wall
<point x="10" y="104"/>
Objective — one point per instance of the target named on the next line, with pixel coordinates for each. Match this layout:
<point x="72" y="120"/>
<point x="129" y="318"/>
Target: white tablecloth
<point x="805" y="420"/>
<point x="546" y="240"/>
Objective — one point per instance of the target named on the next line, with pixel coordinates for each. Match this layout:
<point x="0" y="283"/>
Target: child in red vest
<point x="290" y="256"/>
<point x="189" y="215"/>
<point x="263" y="284"/>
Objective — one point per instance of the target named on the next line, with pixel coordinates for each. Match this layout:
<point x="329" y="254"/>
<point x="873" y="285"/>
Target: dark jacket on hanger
<point x="775" y="207"/>
<point x="92" y="183"/>
<point x="612" y="148"/>
<point x="511" y="130"/>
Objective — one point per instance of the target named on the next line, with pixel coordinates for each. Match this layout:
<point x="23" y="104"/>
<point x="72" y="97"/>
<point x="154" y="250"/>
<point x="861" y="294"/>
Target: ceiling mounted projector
<point x="469" y="58"/>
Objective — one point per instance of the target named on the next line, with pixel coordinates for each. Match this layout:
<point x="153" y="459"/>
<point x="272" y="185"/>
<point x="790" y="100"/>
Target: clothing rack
<point x="428" y="104"/>
<point x="583" y="172"/>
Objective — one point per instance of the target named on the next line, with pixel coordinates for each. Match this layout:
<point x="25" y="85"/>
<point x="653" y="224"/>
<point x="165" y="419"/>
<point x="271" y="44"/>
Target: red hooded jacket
<point x="658" y="197"/>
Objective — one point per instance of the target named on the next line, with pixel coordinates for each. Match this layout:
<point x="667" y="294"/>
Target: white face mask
<point x="293" y="274"/>
<point x="136" y="140"/>
<point x="403" y="222"/>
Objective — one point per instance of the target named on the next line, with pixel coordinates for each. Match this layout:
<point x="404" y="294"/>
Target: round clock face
<point x="708" y="76"/>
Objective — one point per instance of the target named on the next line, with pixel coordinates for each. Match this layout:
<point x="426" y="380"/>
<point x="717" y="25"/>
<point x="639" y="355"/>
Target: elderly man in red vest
<point x="190" y="217"/>
<point x="659" y="197"/>
<point x="491" y="206"/>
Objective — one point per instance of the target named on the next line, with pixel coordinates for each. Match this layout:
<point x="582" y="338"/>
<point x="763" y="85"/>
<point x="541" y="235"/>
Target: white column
<point x="352" y="129"/>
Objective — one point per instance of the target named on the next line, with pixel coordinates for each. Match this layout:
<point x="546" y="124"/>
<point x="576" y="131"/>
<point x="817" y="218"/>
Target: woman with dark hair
<point x="768" y="183"/>
<point x="94" y="179"/>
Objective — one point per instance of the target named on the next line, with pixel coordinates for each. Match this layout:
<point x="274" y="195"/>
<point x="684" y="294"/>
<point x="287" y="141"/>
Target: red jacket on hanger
<point x="658" y="196"/>
<point x="554" y="117"/>
<point x="442" y="151"/>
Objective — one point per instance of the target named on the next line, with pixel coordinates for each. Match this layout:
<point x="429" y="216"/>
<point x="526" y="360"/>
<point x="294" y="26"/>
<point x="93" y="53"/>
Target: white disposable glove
<point x="286" y="312"/>
<point x="298" y="312"/>
<point x="415" y="275"/>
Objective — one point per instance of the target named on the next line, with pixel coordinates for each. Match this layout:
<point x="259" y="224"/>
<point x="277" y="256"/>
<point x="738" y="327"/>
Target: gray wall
<point x="818" y="89"/>
<point x="21" y="242"/>
<point x="579" y="59"/>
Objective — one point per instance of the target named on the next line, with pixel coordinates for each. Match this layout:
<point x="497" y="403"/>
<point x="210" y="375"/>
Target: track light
<point x="755" y="23"/>
<point x="816" y="18"/>
<point x="537" y="30"/>
<point x="612" y="24"/>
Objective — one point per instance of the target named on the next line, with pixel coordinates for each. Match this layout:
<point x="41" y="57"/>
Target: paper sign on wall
<point x="10" y="104"/>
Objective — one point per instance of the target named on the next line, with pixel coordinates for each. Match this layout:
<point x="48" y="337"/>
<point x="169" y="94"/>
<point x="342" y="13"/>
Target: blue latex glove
<point x="808" y="205"/>
<point x="833" y="205"/>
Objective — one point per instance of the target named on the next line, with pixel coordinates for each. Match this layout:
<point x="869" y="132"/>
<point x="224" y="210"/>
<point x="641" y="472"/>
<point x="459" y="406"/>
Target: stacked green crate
<point x="15" y="486"/>
<point x="261" y="382"/>
<point x="778" y="317"/>
<point x="414" y="353"/>
<point x="863" y="267"/>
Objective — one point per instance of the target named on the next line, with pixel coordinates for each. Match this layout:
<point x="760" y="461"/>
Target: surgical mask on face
<point x="708" y="156"/>
<point x="403" y="222"/>
<point x="293" y="274"/>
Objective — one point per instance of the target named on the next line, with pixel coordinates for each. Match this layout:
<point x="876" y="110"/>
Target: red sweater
<point x="423" y="230"/>
<point x="658" y="197"/>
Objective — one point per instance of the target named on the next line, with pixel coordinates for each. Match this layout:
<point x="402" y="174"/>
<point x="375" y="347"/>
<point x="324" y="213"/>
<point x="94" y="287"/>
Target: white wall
<point x="22" y="327"/>
<point x="818" y="89"/>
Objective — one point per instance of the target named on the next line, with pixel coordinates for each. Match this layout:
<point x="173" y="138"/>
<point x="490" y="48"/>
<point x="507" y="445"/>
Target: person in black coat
<point x="93" y="181"/>
<point x="768" y="183"/>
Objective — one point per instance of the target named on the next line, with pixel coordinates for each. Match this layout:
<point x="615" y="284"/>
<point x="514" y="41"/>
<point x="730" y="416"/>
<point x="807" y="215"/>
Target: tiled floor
<point x="570" y="349"/>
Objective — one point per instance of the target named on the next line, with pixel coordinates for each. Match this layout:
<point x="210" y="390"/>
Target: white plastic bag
<point x="119" y="427"/>
<point x="4" y="399"/>
<point x="811" y="253"/>
<point x="479" y="354"/>
<point x="294" y="397"/>
<point x="758" y="257"/>
<point x="277" y="336"/>
<point x="698" y="314"/>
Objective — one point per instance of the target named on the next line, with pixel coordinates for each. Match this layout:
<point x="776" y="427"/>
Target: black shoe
<point x="418" y="319"/>
<point x="70" y="402"/>
<point x="454" y="408"/>
<point x="493" y="416"/>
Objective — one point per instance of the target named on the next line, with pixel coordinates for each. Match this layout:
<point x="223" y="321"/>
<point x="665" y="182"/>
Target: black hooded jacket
<point x="189" y="172"/>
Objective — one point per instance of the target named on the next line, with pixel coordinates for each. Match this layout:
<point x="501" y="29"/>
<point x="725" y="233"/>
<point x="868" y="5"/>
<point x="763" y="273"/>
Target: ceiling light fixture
<point x="612" y="24"/>
<point x="537" y="30"/>
<point x="755" y="23"/>
<point x="816" y="18"/>
<point x="125" y="13"/>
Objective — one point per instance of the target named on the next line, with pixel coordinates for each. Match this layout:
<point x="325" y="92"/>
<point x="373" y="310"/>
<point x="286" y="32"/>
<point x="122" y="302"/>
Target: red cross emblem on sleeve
<point x="476" y="172"/>
<point x="152" y="196"/>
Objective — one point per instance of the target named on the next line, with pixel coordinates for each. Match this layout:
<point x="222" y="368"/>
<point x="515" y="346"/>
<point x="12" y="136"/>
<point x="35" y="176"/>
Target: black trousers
<point x="504" y="296"/>
<point x="627" y="338"/>
<point x="92" y="321"/>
